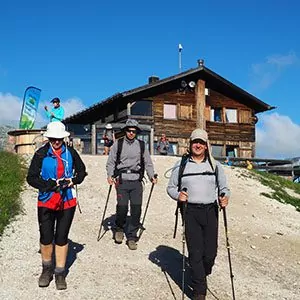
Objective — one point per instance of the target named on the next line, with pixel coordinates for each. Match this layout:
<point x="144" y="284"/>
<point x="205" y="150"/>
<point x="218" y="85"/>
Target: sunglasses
<point x="198" y="141"/>
<point x="131" y="130"/>
<point x="52" y="140"/>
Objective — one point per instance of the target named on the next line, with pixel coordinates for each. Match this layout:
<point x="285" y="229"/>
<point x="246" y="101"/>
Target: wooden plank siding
<point x="241" y="134"/>
<point x="180" y="127"/>
<point x="230" y="131"/>
<point x="193" y="109"/>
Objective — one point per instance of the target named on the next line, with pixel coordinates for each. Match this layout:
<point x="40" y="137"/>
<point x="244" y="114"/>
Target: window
<point x="217" y="150"/>
<point x="142" y="108"/>
<point x="170" y="111"/>
<point x="216" y="114"/>
<point x="144" y="136"/>
<point x="185" y="112"/>
<point x="231" y="115"/>
<point x="231" y="151"/>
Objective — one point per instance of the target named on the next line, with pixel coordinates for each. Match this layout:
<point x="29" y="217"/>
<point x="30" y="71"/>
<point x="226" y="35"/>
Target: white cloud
<point x="10" y="109"/>
<point x="277" y="137"/>
<point x="72" y="106"/>
<point x="282" y="61"/>
<point x="265" y="74"/>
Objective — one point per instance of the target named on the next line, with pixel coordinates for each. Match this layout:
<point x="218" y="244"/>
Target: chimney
<point x="200" y="62"/>
<point x="153" y="79"/>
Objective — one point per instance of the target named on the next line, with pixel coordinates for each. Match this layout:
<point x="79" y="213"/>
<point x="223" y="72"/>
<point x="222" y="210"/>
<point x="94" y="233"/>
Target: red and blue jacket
<point x="46" y="167"/>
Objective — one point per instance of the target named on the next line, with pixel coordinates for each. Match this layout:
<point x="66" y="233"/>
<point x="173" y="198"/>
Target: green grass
<point x="279" y="186"/>
<point x="12" y="176"/>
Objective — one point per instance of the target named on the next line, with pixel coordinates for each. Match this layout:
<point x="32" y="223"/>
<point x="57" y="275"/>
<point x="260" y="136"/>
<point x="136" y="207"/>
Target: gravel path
<point x="263" y="233"/>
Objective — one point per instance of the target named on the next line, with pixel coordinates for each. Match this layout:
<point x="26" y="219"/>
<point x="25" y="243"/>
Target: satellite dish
<point x="254" y="119"/>
<point x="183" y="84"/>
<point x="192" y="84"/>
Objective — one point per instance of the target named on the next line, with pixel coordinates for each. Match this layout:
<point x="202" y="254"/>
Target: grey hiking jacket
<point x="201" y="188"/>
<point x="130" y="158"/>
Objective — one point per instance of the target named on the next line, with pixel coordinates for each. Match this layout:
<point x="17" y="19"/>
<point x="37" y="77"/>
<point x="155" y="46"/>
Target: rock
<point x="266" y="237"/>
<point x="253" y="247"/>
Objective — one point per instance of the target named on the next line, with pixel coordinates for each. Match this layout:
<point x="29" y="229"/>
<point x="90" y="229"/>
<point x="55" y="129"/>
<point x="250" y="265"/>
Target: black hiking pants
<point x="133" y="191"/>
<point x="55" y="224"/>
<point x="201" y="230"/>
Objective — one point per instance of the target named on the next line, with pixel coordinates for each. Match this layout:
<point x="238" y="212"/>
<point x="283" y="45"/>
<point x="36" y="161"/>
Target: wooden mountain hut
<point x="175" y="106"/>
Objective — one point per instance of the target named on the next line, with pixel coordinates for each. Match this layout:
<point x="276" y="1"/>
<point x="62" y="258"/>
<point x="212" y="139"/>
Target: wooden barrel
<point x="27" y="141"/>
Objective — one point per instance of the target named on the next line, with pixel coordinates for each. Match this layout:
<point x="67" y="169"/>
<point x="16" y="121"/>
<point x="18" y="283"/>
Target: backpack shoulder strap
<point x="182" y="165"/>
<point x="118" y="158"/>
<point x="119" y="150"/>
<point x="142" y="145"/>
<point x="142" y="160"/>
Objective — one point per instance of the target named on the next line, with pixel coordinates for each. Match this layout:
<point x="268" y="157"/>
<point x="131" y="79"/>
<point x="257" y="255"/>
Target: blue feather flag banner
<point x="29" y="108"/>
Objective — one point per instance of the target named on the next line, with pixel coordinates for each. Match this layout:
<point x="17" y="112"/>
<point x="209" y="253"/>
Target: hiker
<point x="163" y="145"/>
<point x="249" y="165"/>
<point x="54" y="170"/>
<point x="197" y="180"/>
<point x="109" y="138"/>
<point x="125" y="167"/>
<point x="57" y="112"/>
<point x="227" y="161"/>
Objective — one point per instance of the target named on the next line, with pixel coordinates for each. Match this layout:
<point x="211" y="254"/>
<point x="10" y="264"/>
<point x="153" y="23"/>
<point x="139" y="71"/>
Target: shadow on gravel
<point x="108" y="224"/>
<point x="74" y="248"/>
<point x="170" y="262"/>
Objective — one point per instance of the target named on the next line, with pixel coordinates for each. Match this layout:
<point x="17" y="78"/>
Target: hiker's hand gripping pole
<point x="99" y="234"/>
<point x="142" y="228"/>
<point x="223" y="208"/>
<point x="182" y="197"/>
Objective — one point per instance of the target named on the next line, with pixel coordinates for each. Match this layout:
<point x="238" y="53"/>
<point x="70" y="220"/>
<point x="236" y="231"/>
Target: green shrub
<point x="12" y="176"/>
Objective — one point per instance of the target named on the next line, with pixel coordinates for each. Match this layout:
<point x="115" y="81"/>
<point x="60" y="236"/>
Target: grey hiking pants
<point x="133" y="191"/>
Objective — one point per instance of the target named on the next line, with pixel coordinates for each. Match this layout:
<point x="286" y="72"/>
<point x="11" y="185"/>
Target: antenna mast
<point x="179" y="54"/>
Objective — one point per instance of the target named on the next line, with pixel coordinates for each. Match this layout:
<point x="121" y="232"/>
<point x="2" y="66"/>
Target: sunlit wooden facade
<point x="177" y="105"/>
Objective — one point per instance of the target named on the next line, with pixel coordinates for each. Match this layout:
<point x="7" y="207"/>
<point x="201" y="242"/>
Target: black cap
<point x="55" y="100"/>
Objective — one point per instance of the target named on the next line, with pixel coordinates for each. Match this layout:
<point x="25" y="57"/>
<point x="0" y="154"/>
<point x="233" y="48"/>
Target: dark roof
<point x="213" y="81"/>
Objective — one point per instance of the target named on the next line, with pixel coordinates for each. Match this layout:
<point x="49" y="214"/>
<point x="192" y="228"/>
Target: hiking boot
<point x="60" y="281"/>
<point x="119" y="236"/>
<point x="46" y="276"/>
<point x="132" y="245"/>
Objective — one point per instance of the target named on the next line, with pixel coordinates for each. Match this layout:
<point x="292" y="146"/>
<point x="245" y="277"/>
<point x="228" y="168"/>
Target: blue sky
<point x="85" y="51"/>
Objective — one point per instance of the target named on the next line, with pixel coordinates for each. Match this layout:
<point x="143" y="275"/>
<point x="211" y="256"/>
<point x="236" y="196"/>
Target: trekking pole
<point x="142" y="228"/>
<point x="176" y="220"/>
<point x="228" y="248"/>
<point x="183" y="246"/>
<point x="79" y="208"/>
<point x="99" y="234"/>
